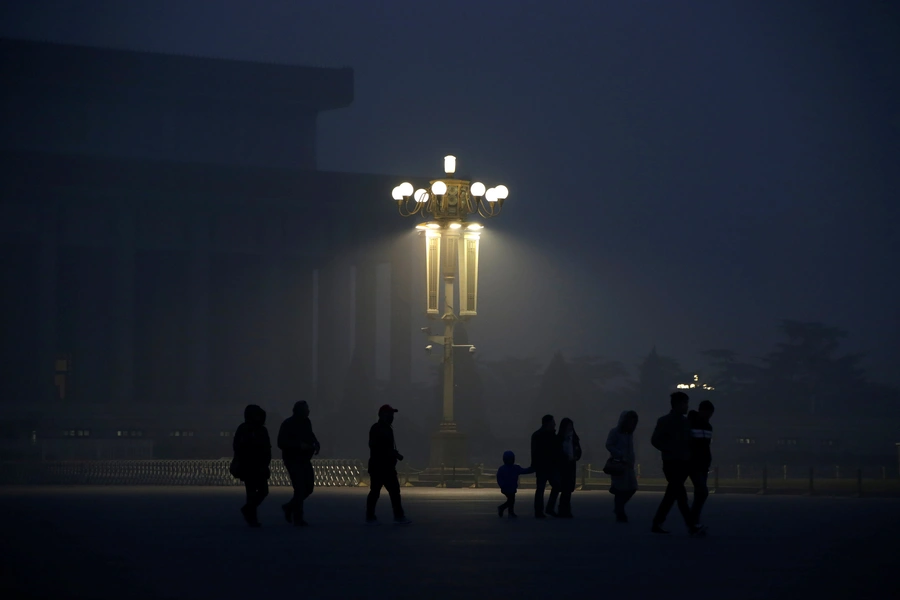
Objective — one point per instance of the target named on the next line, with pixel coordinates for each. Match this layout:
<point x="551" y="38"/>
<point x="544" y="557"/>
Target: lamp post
<point x="451" y="255"/>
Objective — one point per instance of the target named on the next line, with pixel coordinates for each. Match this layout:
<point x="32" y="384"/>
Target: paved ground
<point x="90" y="542"/>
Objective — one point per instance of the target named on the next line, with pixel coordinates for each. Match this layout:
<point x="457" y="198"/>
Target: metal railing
<point x="329" y="472"/>
<point x="738" y="478"/>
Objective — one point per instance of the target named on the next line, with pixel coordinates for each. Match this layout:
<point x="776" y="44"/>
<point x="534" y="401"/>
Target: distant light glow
<point x="434" y="226"/>
<point x="438" y="188"/>
<point x="449" y="164"/>
<point x="477" y="189"/>
<point x="420" y="195"/>
<point x="474" y="227"/>
<point x="396" y="194"/>
<point x="406" y="189"/>
<point x="491" y="195"/>
<point x="455" y="225"/>
<point x="501" y="191"/>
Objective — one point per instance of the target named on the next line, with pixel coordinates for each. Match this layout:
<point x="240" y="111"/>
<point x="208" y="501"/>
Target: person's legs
<point x="511" y="504"/>
<point x="392" y="485"/>
<point x="256" y="489"/>
<point x="622" y="498"/>
<point x="565" y="503"/>
<point x="701" y="492"/>
<point x="306" y="481"/>
<point x="551" y="499"/>
<point x="375" y="482"/>
<point x="293" y="473"/>
<point x="540" y="484"/>
<point x="675" y="475"/>
<point x="503" y="506"/>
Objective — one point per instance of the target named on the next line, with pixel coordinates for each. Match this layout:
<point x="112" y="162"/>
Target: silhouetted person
<point x="298" y="444"/>
<point x="383" y="457"/>
<point x="253" y="453"/>
<point x="620" y="443"/>
<point x="543" y="452"/>
<point x="672" y="437"/>
<point x="508" y="480"/>
<point x="701" y="456"/>
<point x="568" y="452"/>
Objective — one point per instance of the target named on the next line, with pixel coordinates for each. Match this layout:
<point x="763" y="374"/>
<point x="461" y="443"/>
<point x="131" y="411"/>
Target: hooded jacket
<point x="672" y="436"/>
<point x="296" y="438"/>
<point x="508" y="474"/>
<point x="251" y="445"/>
<point x="621" y="446"/>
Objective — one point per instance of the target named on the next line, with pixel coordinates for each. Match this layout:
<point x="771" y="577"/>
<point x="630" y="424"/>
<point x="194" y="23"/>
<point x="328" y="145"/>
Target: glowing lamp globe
<point x="438" y="188"/>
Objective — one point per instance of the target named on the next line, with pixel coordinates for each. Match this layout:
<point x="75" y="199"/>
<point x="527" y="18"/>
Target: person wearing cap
<point x="298" y="444"/>
<point x="383" y="457"/>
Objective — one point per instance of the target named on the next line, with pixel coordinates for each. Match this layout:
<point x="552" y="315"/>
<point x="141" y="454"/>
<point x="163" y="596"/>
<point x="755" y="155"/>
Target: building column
<point x="295" y="312"/>
<point x="199" y="312"/>
<point x="271" y="384"/>
<point x="333" y="344"/>
<point x="48" y="349"/>
<point x="123" y="361"/>
<point x="365" y="314"/>
<point x="401" y="316"/>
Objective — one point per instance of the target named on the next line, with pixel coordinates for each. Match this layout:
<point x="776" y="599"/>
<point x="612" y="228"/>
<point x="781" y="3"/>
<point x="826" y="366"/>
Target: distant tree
<point x="657" y="377"/>
<point x="558" y="394"/>
<point x="601" y="384"/>
<point x="732" y="378"/>
<point x="807" y="374"/>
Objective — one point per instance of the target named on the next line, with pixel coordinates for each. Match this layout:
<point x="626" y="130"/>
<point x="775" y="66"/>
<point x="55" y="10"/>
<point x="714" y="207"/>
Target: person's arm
<point x="281" y="440"/>
<point x="612" y="443"/>
<point x="533" y="451"/>
<point x="524" y="471"/>
<point x="316" y="445"/>
<point x="267" y="452"/>
<point x="576" y="448"/>
<point x="660" y="436"/>
<point x="237" y="442"/>
<point x="396" y="452"/>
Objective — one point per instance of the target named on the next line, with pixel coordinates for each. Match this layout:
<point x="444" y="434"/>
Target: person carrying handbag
<point x="620" y="466"/>
<point x="252" y="455"/>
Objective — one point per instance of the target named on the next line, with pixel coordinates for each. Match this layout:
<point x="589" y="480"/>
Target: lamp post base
<point x="449" y="448"/>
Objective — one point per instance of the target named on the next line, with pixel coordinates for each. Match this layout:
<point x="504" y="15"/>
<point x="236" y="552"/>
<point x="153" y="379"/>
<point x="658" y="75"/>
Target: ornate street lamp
<point x="451" y="244"/>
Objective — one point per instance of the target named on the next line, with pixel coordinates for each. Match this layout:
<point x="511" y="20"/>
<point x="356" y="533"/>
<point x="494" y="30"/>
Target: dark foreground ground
<point x="126" y="542"/>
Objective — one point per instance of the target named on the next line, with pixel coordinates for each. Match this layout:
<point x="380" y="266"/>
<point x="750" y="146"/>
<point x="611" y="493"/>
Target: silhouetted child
<point x="508" y="480"/>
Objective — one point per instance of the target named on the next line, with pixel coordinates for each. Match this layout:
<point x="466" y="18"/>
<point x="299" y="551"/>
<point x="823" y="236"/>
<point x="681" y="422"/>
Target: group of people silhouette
<point x="298" y="444"/>
<point x="682" y="437"/>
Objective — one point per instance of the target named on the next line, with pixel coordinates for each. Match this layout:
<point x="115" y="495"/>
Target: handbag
<point x="614" y="466"/>
<point x="235" y="468"/>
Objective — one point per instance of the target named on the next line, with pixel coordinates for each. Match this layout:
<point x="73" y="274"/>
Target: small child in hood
<point x="508" y="480"/>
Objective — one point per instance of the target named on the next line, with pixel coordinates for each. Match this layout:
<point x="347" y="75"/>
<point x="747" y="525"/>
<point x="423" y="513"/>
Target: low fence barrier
<point x="329" y="472"/>
<point x="747" y="479"/>
<point x="740" y="478"/>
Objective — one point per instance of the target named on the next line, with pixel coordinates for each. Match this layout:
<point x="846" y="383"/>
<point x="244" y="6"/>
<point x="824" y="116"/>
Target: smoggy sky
<point x="681" y="173"/>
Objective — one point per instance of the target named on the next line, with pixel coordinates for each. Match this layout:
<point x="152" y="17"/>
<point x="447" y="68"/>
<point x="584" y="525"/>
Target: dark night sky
<point x="691" y="171"/>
